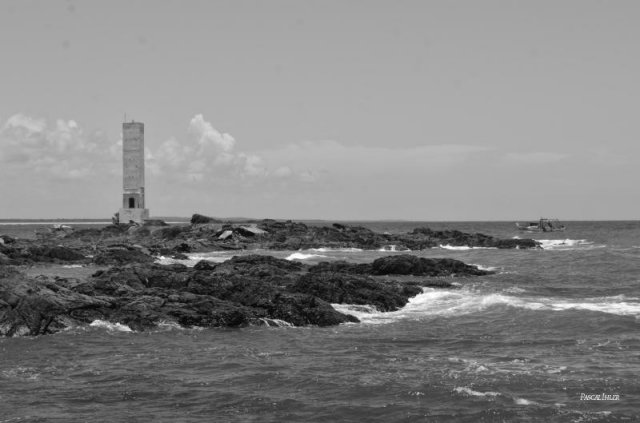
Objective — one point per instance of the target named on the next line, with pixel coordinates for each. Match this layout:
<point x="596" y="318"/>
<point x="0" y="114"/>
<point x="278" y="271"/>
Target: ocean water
<point x="537" y="341"/>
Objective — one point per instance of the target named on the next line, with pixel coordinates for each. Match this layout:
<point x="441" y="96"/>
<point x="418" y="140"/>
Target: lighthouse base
<point x="133" y="215"/>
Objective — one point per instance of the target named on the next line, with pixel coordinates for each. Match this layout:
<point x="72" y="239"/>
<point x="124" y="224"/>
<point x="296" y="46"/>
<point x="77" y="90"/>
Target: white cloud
<point x="205" y="155"/>
<point x="205" y="168"/>
<point x="207" y="136"/>
<point x="24" y="123"/>
<point x="60" y="150"/>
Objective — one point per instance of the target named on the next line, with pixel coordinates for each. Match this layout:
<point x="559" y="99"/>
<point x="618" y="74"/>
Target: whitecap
<point x="486" y="268"/>
<point x="192" y="260"/>
<point x="275" y="322"/>
<point x="567" y="244"/>
<point x="455" y="247"/>
<point x="447" y="303"/>
<point x="471" y="392"/>
<point x="339" y="250"/>
<point x="71" y="266"/>
<point x="522" y="401"/>
<point x="303" y="256"/>
<point x="554" y="370"/>
<point x="119" y="327"/>
<point x="392" y="248"/>
<point x="464" y="247"/>
<point x="355" y="309"/>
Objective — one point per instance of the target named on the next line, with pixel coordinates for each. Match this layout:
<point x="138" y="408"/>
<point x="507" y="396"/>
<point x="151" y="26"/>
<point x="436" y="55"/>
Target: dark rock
<point x="200" y="219"/>
<point x="204" y="235"/>
<point x="6" y="239"/>
<point x="122" y="256"/>
<point x="206" y="311"/>
<point x="406" y="264"/>
<point x="171" y="232"/>
<point x="248" y="289"/>
<point x="54" y="253"/>
<point x="204" y="265"/>
<point x="302" y="310"/>
<point x="39" y="306"/>
<point x="353" y="289"/>
<point x="4" y="259"/>
<point x="517" y="243"/>
<point x="341" y="266"/>
<point x="155" y="222"/>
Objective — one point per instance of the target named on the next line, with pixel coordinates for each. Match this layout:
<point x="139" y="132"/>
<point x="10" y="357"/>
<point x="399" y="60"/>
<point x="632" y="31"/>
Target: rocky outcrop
<point x="248" y="289"/>
<point x="198" y="219"/>
<point x="402" y="264"/>
<point x="209" y="234"/>
<point x="251" y="289"/>
<point x="352" y="289"/>
<point x="421" y="237"/>
<point x="420" y="266"/>
<point x="40" y="305"/>
<point x="26" y="252"/>
<point x="122" y="256"/>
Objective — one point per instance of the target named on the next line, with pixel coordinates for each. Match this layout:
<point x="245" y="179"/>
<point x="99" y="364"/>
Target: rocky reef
<point x="245" y="290"/>
<point x="126" y="285"/>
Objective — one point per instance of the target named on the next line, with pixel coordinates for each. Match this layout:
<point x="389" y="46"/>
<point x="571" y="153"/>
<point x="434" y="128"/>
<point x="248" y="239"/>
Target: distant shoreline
<point x="179" y="220"/>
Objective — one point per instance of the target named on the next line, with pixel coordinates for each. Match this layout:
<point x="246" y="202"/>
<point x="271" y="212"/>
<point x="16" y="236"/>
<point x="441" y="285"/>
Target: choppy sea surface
<point x="540" y="340"/>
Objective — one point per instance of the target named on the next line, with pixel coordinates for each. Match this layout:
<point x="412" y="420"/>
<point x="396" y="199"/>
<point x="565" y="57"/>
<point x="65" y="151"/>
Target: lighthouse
<point x="133" y="202"/>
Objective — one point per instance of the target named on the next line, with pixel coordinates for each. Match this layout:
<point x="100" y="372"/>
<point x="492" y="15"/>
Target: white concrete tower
<point x="133" y="205"/>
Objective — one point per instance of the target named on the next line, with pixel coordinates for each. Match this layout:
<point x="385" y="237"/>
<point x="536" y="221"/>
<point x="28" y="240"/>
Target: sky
<point x="344" y="110"/>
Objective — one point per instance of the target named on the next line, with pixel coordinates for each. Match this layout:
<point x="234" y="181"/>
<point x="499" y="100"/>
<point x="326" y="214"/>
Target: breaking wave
<point x="491" y="395"/>
<point x="464" y="247"/>
<point x="472" y="393"/>
<point x="338" y="250"/>
<point x="303" y="256"/>
<point x="487" y="268"/>
<point x="394" y="248"/>
<point x="275" y="323"/>
<point x="451" y="303"/>
<point x="567" y="244"/>
<point x="117" y="327"/>
<point x="214" y="257"/>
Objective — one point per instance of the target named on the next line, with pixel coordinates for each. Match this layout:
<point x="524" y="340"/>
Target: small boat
<point x="543" y="225"/>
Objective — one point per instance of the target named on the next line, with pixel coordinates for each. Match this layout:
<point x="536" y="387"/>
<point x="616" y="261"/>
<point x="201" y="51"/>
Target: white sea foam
<point x="119" y="327"/>
<point x="567" y="244"/>
<point x="472" y="393"/>
<point x="192" y="260"/>
<point x="303" y="256"/>
<point x="455" y="248"/>
<point x="394" y="248"/>
<point x="487" y="268"/>
<point x="275" y="322"/>
<point x="464" y="247"/>
<point x="338" y="250"/>
<point x="168" y="325"/>
<point x="522" y="401"/>
<point x="446" y="303"/>
<point x="71" y="266"/>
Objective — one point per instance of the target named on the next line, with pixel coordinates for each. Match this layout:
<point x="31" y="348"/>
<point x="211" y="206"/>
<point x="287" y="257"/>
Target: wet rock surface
<point x="244" y="290"/>
<point x="132" y="289"/>
<point x="140" y="244"/>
